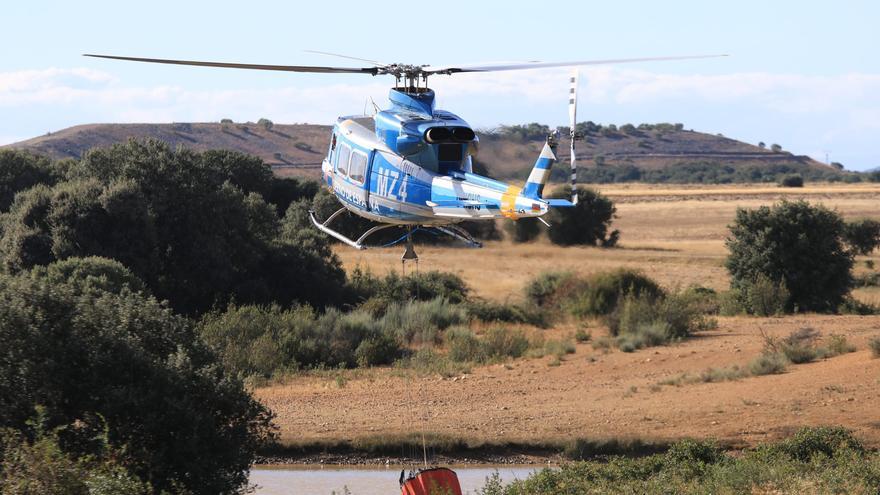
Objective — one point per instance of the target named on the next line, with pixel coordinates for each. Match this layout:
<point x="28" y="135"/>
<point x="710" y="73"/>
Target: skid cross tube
<point x="325" y="227"/>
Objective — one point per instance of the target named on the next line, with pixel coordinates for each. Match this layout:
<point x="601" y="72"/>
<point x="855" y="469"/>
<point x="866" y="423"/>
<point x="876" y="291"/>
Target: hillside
<point x="298" y="149"/>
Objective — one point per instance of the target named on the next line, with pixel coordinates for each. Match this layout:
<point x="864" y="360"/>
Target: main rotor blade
<point x="285" y="68"/>
<point x="452" y="69"/>
<point x="346" y="56"/>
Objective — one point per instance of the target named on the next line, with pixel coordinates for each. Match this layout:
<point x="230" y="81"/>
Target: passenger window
<point x="357" y="167"/>
<point x="342" y="159"/>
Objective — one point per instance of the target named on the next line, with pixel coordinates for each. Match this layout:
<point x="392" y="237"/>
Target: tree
<point x="793" y="180"/>
<point x="21" y="170"/>
<point x="794" y="243"/>
<point x="584" y="224"/>
<point x="119" y="361"/>
<point x="762" y="145"/>
<point x="863" y="236"/>
<point x="266" y="124"/>
<point x="194" y="226"/>
<point x="775" y="148"/>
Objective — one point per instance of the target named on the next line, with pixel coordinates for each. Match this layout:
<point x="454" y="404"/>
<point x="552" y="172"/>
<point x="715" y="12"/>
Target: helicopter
<point x="411" y="165"/>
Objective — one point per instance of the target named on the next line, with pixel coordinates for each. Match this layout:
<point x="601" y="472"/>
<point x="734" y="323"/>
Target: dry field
<point x="673" y="234"/>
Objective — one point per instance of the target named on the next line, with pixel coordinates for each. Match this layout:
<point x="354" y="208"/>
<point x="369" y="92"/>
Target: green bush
<point x="793" y="180"/>
<point x="421" y="322"/>
<point x="588" y="223"/>
<point x="196" y="227"/>
<point x="672" y="317"/>
<point x="502" y="343"/>
<point x="551" y="288"/>
<point x="429" y="361"/>
<point x="523" y="229"/>
<point x="464" y="346"/>
<point x="768" y="364"/>
<point x="21" y="170"/>
<point x="823" y="440"/>
<point x="692" y="458"/>
<point x="863" y="236"/>
<point x="97" y="358"/>
<point x="603" y="291"/>
<point x="582" y="336"/>
<point x="815" y="460"/>
<point x="418" y="286"/>
<point x="764" y="297"/>
<point x="837" y="345"/>
<point x="795" y="243"/>
<point x="874" y="345"/>
<point x="800" y="346"/>
<point x="489" y="311"/>
<point x="263" y="341"/>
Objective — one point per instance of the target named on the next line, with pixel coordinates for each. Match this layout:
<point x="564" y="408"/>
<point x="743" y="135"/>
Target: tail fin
<point x="534" y="187"/>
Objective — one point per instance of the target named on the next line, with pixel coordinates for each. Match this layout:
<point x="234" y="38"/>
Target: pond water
<point x="325" y="480"/>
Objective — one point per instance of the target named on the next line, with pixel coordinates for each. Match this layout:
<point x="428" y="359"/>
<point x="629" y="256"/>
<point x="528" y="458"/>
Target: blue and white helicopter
<point x="411" y="164"/>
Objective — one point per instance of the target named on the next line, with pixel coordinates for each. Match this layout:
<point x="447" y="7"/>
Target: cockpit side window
<point x="342" y="159"/>
<point x="357" y="166"/>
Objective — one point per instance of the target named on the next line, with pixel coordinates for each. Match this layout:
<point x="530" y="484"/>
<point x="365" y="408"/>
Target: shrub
<point x="464" y="346"/>
<point x="588" y="223"/>
<point x="603" y="291"/>
<point x="377" y="349"/>
<point x="582" y="336"/>
<point x="123" y="359"/>
<point x="418" y="286"/>
<point x="544" y="290"/>
<point x="558" y="348"/>
<point x="704" y="299"/>
<point x="863" y="236"/>
<point x="800" y="346"/>
<point x="793" y="180"/>
<point x="768" y="364"/>
<point x="797" y="244"/>
<point x="42" y="466"/>
<point x="837" y="345"/>
<point x="501" y="343"/>
<point x="691" y="458"/>
<point x="523" y="229"/>
<point x="764" y="297"/>
<point x="822" y="440"/>
<point x="421" y="321"/>
<point x="642" y="315"/>
<point x="262" y="341"/>
<point x="874" y="345"/>
<point x="489" y="311"/>
<point x="430" y="361"/>
<point x="194" y="226"/>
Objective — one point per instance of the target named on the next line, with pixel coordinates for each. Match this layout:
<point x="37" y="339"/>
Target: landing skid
<point x="451" y="230"/>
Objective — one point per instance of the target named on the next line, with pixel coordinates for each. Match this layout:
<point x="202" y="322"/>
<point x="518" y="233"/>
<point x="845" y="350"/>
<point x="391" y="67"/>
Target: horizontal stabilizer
<point x="559" y="203"/>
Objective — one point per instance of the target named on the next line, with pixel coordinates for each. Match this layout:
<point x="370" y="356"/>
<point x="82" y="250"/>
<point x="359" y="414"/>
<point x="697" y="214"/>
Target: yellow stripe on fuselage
<point x="508" y="202"/>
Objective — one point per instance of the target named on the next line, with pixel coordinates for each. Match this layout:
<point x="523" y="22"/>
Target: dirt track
<point x="596" y="395"/>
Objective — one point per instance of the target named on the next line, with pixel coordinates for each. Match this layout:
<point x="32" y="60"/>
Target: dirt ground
<point x="673" y="234"/>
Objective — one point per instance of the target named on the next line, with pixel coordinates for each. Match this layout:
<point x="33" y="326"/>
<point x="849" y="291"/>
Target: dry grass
<point x="674" y="239"/>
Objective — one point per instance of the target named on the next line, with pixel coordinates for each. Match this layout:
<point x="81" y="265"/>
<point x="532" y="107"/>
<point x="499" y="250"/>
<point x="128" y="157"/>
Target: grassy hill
<point x="606" y="154"/>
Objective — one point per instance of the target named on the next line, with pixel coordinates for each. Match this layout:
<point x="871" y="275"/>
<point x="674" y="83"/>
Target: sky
<point x="803" y="74"/>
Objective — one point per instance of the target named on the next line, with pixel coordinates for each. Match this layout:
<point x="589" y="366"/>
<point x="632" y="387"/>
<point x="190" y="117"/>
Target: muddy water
<point x="318" y="480"/>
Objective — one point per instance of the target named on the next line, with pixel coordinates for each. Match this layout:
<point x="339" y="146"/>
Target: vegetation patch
<point x="817" y="460"/>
